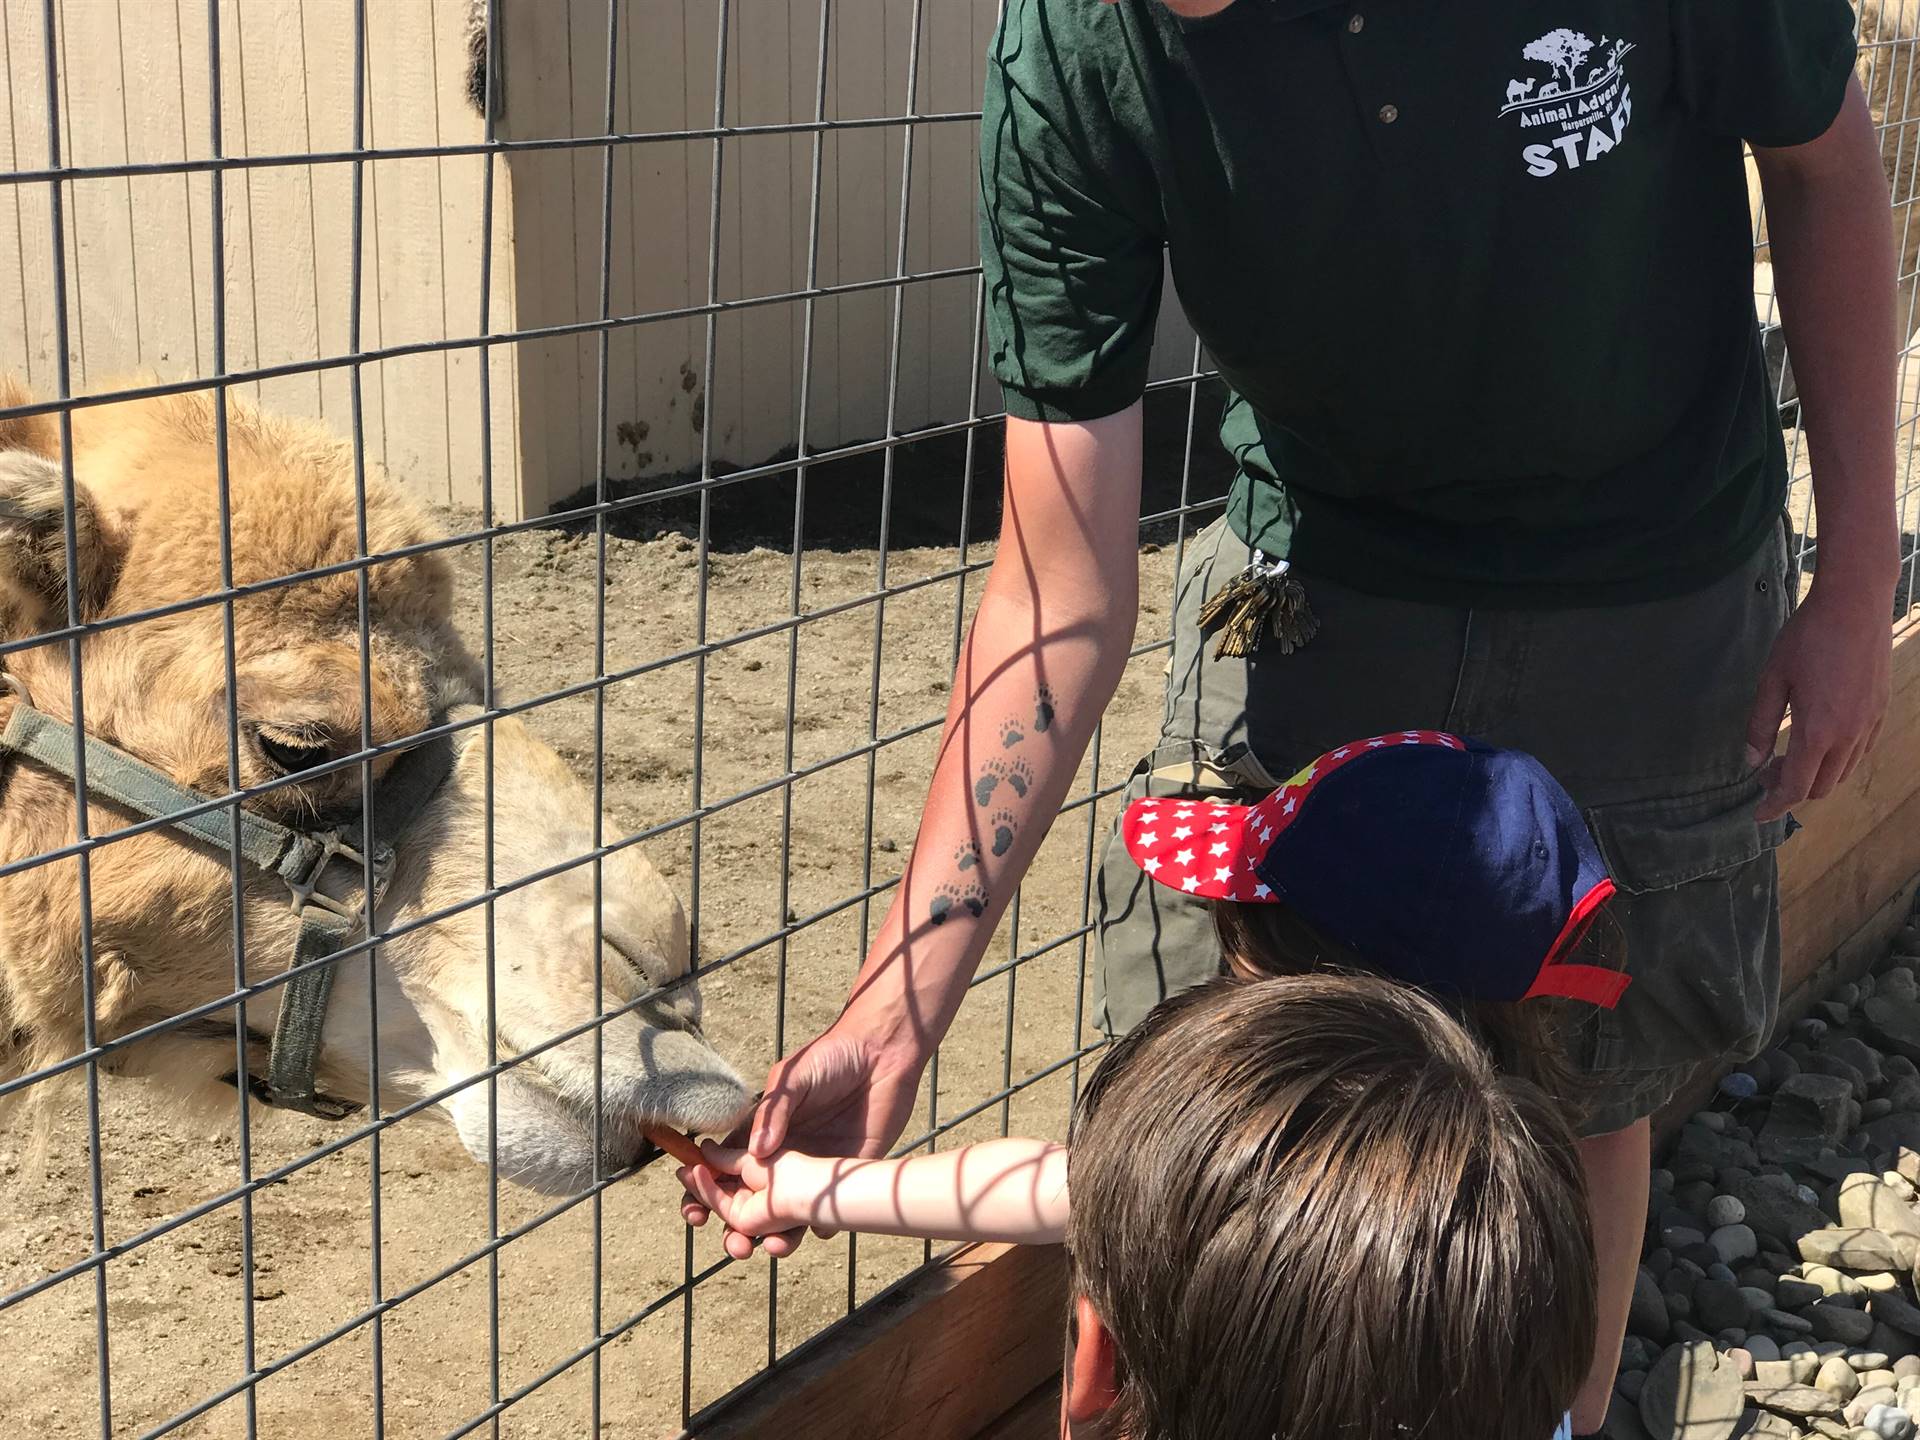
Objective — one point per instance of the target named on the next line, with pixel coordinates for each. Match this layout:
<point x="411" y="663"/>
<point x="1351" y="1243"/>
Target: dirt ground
<point x="175" y="1305"/>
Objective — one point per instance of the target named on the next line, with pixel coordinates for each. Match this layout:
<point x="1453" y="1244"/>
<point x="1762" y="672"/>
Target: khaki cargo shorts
<point x="1639" y="710"/>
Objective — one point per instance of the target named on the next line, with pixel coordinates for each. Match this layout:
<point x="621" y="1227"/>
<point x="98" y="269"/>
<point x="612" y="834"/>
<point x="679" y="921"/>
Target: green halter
<point x="299" y="857"/>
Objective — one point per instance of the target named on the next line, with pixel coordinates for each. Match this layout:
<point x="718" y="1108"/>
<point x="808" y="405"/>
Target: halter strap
<point x="300" y="858"/>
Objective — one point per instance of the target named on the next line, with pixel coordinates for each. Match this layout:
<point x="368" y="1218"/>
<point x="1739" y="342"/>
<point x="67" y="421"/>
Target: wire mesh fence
<point x="671" y="313"/>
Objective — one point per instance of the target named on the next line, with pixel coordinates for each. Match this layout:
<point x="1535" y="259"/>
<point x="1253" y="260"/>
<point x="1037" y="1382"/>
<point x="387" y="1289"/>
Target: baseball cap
<point x="1440" y="861"/>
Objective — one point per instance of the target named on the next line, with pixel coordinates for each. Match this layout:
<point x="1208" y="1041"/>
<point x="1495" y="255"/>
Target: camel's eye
<point x="290" y="751"/>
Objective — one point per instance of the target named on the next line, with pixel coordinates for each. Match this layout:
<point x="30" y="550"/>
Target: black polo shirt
<point x="1478" y="274"/>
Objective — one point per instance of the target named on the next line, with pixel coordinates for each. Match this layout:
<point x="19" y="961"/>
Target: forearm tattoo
<point x="1003" y="772"/>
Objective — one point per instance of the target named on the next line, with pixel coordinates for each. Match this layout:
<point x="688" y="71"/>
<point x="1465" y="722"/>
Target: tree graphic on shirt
<point x="1563" y="51"/>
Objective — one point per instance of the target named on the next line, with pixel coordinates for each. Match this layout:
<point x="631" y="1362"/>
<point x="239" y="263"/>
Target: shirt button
<point x="1356" y="23"/>
<point x="1389" y="114"/>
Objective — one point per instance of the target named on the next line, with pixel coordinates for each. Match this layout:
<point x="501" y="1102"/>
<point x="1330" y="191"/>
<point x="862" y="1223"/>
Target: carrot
<point x="675" y="1144"/>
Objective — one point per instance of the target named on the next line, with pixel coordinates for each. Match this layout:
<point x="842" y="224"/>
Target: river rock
<point x="1647" y="1312"/>
<point x="1777" y="1211"/>
<point x="1623" y="1420"/>
<point x="1762" y="1347"/>
<point x="1895" y="1023"/>
<point x="1725" y="1210"/>
<point x="1791" y="1294"/>
<point x="1781" y="1323"/>
<point x="1892" y="1341"/>
<point x="1894" y="1310"/>
<point x="1867" y="1360"/>
<point x="1869" y="1397"/>
<point x="1722" y="1307"/>
<point x="1889" y="1422"/>
<point x="1848" y="1248"/>
<point x="1734" y="1243"/>
<point x="1836" y="1377"/>
<point x="1831" y="1282"/>
<point x="1796" y="1402"/>
<point x="1832" y="1321"/>
<point x="1637" y="1353"/>
<point x="1809" y="1113"/>
<point x="1891" y="1132"/>
<point x="1693" y="1394"/>
<point x="1862" y="1056"/>
<point x="1868" y="1203"/>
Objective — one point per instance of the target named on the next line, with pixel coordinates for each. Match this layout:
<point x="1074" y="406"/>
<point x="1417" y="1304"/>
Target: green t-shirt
<point x="1479" y="275"/>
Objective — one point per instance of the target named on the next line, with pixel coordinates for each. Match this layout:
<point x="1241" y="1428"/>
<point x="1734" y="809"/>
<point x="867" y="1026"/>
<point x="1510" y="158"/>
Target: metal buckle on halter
<point x="334" y="845"/>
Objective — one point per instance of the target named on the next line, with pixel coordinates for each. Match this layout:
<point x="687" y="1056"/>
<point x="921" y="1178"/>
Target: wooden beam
<point x="940" y="1357"/>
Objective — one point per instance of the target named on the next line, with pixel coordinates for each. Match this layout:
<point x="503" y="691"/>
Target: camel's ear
<point x="33" y="547"/>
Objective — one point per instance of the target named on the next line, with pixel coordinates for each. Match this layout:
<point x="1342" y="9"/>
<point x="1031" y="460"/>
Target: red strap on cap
<point x="1592" y="983"/>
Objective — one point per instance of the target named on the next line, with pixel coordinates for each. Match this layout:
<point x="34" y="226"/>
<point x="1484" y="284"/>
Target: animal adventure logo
<point x="1579" y="110"/>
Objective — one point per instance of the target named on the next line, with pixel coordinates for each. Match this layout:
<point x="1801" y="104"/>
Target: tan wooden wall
<point x="134" y="87"/>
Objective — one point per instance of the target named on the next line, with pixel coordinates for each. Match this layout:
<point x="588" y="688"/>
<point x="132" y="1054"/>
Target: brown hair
<point x="1527" y="1039"/>
<point x="1310" y="1207"/>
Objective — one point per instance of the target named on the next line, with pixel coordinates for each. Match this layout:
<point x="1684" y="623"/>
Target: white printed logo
<point x="1578" y="111"/>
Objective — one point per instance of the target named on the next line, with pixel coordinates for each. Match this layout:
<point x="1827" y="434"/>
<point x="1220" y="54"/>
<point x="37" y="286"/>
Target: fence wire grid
<point x="712" y="505"/>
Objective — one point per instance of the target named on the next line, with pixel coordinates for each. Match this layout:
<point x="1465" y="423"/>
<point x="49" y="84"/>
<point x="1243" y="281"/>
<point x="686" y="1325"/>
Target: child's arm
<point x="1012" y="1190"/>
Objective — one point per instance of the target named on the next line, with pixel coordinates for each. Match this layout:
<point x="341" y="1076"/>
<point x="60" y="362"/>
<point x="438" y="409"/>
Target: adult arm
<point x="1042" y="658"/>
<point x="1006" y="1190"/>
<point x="1829" y="225"/>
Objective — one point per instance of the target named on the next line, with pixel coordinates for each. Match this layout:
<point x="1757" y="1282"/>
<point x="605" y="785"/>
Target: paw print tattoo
<point x="947" y="898"/>
<point x="1016" y="775"/>
<point x="967" y="856"/>
<point x="1010" y="733"/>
<point x="1003" y="827"/>
<point x="1043" y="710"/>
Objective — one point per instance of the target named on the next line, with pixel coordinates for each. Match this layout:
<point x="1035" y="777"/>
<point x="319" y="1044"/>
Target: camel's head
<point x="416" y="1015"/>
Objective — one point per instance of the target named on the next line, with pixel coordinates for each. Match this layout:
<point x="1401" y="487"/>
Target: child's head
<point x="1311" y="1207"/>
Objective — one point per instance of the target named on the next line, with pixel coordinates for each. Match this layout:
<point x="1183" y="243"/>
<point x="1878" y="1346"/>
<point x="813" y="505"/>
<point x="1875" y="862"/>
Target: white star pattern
<point x="1261" y="892"/>
<point x="1289" y="807"/>
<point x="1341" y="753"/>
<point x="1217" y="829"/>
<point x="1185" y="857"/>
<point x="1185" y="812"/>
<point x="1220" y="847"/>
<point x="1223" y="875"/>
<point x="1149" y="838"/>
<point x="1375" y="744"/>
<point x="1152" y="867"/>
<point x="1266" y="834"/>
<point x="1411" y="740"/>
<point x="1190" y="884"/>
<point x="1183" y="832"/>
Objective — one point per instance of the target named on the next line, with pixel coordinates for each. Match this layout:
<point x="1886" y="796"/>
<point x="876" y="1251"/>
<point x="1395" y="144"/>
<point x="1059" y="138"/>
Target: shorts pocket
<point x="1697" y="905"/>
<point x="1149" y="941"/>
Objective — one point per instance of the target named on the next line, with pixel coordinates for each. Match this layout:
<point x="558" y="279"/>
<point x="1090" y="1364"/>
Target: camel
<point x="1518" y="90"/>
<point x="146" y="522"/>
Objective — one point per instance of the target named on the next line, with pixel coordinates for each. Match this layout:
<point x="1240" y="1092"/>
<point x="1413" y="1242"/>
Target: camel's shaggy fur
<point x="147" y="520"/>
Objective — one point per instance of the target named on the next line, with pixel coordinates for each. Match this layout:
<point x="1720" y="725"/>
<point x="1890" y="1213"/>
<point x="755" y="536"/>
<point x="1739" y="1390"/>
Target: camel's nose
<point x="632" y="965"/>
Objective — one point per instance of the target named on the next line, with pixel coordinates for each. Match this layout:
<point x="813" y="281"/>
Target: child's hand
<point x="754" y="1197"/>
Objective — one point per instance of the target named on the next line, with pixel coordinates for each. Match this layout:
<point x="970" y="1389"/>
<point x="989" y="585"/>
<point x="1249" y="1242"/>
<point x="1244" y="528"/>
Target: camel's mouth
<point x="542" y="1123"/>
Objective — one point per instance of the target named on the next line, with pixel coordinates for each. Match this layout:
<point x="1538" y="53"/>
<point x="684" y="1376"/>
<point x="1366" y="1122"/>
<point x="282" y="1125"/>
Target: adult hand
<point x="846" y="1092"/>
<point x="1832" y="665"/>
